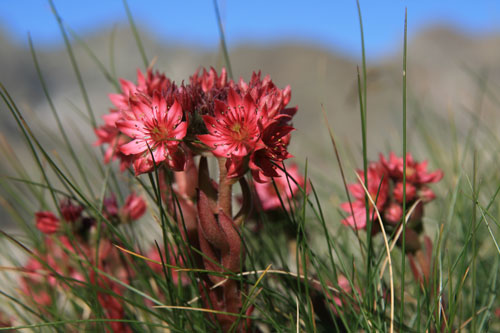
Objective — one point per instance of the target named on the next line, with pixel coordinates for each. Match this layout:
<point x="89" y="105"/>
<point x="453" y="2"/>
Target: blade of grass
<point x="64" y="179"/>
<point x="403" y="243"/>
<point x="13" y="109"/>
<point x="74" y="64"/>
<point x="362" y="94"/>
<point x="341" y="169"/>
<point x="110" y="77"/>
<point x="474" y="235"/>
<point x="136" y="34"/>
<point x="112" y="64"/>
<point x="223" y="40"/>
<point x="386" y="243"/>
<point x="77" y="321"/>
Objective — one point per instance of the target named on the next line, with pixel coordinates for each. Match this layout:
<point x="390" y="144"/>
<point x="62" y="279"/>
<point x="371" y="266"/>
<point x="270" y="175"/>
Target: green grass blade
<point x="74" y="64"/>
<point x="136" y="34"/>
<point x="223" y="40"/>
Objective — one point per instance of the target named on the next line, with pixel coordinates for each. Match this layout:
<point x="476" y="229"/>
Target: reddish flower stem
<point x="225" y="189"/>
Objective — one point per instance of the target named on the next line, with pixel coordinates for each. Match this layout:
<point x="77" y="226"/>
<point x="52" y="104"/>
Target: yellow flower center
<point x="239" y="133"/>
<point x="159" y="133"/>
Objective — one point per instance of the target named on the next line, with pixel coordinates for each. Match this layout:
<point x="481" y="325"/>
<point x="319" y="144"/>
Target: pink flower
<point x="416" y="178"/>
<point x="378" y="188"/>
<point x="203" y="90"/>
<point x="153" y="126"/>
<point x="36" y="282"/>
<point x="233" y="131"/>
<point x="121" y="101"/>
<point x="393" y="213"/>
<point x="269" y="98"/>
<point x="109" y="134"/>
<point x="210" y="80"/>
<point x="345" y="289"/>
<point x="134" y="207"/>
<point x="426" y="194"/>
<point x="47" y="222"/>
<point x="272" y="147"/>
<point x="153" y="82"/>
<point x="416" y="173"/>
<point x="411" y="192"/>
<point x="112" y="305"/>
<point x="286" y="187"/>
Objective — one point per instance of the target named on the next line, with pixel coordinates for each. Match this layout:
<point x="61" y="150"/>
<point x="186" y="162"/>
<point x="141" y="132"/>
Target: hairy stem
<point x="225" y="189"/>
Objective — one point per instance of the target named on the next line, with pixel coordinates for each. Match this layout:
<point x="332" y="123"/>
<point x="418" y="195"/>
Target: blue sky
<point x="332" y="24"/>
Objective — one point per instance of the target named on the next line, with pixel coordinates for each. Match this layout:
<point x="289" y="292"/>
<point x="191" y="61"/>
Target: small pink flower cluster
<point x="385" y="186"/>
<point x="73" y="257"/>
<point x="158" y="121"/>
<point x="72" y="260"/>
<point x="48" y="223"/>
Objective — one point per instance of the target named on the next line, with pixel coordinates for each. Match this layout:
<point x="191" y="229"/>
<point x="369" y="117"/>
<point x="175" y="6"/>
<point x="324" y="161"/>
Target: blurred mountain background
<point x="447" y="72"/>
<point x="443" y="70"/>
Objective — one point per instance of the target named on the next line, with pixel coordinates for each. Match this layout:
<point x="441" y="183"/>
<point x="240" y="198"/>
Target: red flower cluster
<point x="60" y="256"/>
<point x="385" y="186"/>
<point x="132" y="210"/>
<point x="74" y="257"/>
<point x="159" y="121"/>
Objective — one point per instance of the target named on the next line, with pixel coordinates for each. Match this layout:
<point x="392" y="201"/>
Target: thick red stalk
<point x="225" y="189"/>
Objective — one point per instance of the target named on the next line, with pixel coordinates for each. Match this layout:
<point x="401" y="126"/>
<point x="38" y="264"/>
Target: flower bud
<point x="134" y="207"/>
<point x="393" y="213"/>
<point x="70" y="212"/>
<point x="47" y="222"/>
<point x="426" y="194"/>
<point x="110" y="207"/>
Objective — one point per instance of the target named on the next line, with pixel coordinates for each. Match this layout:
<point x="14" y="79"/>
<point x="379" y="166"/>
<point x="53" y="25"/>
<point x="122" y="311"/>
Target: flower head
<point x="385" y="186"/>
<point x="155" y="130"/>
<point x="47" y="222"/>
<point x="134" y="207"/>
<point x="378" y="188"/>
<point x="393" y="213"/>
<point x="233" y="131"/>
<point x="416" y="172"/>
<point x="247" y="123"/>
<point x="153" y="82"/>
<point x="210" y="80"/>
<point x="271" y="100"/>
<point x="109" y="134"/>
<point x="272" y="147"/>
